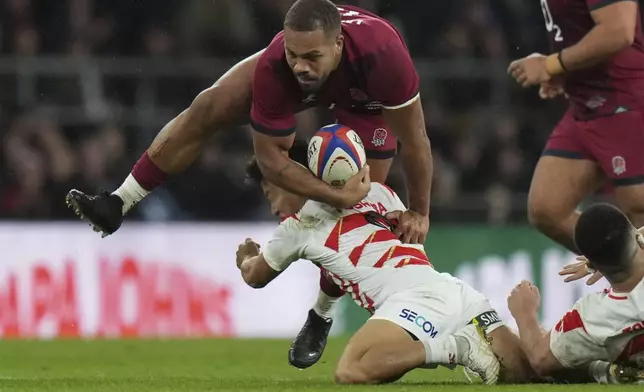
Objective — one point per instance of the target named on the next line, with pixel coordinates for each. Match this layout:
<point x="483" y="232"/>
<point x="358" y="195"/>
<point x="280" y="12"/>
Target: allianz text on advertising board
<point x="145" y="280"/>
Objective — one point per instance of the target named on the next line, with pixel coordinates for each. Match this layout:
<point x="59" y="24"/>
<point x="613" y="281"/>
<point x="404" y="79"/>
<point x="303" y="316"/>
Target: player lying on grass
<point x="604" y="326"/>
<point x="420" y="318"/>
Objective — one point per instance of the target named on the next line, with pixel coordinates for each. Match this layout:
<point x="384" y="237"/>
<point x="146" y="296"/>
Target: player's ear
<point x="339" y="42"/>
<point x="640" y="240"/>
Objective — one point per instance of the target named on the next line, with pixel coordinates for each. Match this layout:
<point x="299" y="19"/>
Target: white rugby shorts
<point x="438" y="309"/>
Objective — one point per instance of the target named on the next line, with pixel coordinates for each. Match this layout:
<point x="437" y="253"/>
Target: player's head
<point x="605" y="236"/>
<point x="313" y="41"/>
<point x="283" y="203"/>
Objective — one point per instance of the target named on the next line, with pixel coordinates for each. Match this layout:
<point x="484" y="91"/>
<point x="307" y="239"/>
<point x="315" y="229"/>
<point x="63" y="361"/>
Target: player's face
<point x="312" y="55"/>
<point x="283" y="203"/>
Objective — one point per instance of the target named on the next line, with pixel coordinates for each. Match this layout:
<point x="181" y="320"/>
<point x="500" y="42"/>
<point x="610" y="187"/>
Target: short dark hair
<point x="311" y="15"/>
<point x="298" y="153"/>
<point x="605" y="236"/>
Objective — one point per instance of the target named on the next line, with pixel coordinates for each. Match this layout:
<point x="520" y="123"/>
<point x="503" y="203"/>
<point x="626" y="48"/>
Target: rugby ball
<point x="336" y="154"/>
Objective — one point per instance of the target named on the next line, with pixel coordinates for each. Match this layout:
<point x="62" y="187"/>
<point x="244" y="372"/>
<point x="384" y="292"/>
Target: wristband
<point x="554" y="65"/>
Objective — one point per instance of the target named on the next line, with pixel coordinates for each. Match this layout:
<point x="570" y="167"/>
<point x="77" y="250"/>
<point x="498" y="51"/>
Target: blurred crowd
<point x="485" y="144"/>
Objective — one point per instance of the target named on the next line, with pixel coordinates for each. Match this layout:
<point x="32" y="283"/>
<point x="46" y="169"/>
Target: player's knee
<point x="348" y="375"/>
<point x="542" y="218"/>
<point x="355" y="374"/>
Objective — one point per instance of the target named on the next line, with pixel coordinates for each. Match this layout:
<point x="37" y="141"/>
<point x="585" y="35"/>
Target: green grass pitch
<point x="199" y="365"/>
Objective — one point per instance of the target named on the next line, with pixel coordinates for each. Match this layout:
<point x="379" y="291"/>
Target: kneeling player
<point x="604" y="326"/>
<point x="421" y="318"/>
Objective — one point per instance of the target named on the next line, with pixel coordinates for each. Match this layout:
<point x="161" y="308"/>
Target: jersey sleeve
<point x="571" y="343"/>
<point x="597" y="4"/>
<point x="271" y="111"/>
<point x="287" y="245"/>
<point x="391" y="77"/>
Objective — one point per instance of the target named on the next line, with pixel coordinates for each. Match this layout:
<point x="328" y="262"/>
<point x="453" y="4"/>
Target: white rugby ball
<point x="336" y="154"/>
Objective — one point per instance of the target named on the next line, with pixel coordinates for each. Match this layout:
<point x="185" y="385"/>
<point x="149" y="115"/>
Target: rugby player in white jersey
<point x="420" y="318"/>
<point x="603" y="326"/>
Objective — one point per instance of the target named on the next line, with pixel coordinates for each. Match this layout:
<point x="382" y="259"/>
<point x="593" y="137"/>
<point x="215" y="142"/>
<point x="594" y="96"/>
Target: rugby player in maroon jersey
<point x="343" y="58"/>
<point x="597" y="60"/>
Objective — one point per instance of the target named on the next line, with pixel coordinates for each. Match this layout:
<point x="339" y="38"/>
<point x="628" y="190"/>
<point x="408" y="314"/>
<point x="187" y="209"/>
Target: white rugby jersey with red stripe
<point x="355" y="247"/>
<point x="604" y="326"/>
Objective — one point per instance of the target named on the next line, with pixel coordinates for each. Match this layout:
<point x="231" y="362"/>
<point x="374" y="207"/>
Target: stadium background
<point x="86" y="84"/>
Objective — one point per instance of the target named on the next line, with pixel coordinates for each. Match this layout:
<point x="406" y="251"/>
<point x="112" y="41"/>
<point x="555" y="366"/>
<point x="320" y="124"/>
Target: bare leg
<point x="630" y="199"/>
<point x="379" y="352"/>
<point x="227" y="103"/>
<point x="558" y="187"/>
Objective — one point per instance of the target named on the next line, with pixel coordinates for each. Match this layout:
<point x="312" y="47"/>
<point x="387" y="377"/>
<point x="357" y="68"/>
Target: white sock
<point x="599" y="371"/>
<point x="324" y="306"/>
<point x="131" y="193"/>
<point x="444" y="350"/>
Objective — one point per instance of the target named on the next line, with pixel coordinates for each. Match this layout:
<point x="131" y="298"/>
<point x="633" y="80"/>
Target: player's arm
<point x="392" y="80"/>
<point x="255" y="271"/>
<point x="408" y="124"/>
<point x="287" y="246"/>
<point x="273" y="123"/>
<point x="615" y="25"/>
<point x="535" y="343"/>
<point x="524" y="303"/>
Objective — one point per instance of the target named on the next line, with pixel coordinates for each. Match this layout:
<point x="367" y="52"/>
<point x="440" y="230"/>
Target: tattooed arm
<point x="272" y="157"/>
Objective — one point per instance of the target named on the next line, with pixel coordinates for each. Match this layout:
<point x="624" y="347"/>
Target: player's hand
<point x="552" y="88"/>
<point x="529" y="71"/>
<point x="524" y="298"/>
<point x="354" y="190"/>
<point x="580" y="270"/>
<point x="247" y="249"/>
<point x="411" y="227"/>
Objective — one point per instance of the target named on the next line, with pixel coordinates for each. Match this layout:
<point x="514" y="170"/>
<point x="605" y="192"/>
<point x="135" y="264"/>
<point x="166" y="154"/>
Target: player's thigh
<point x="232" y="94"/>
<point x="515" y="366"/>
<point x="380" y="145"/>
<point x="565" y="174"/>
<point x="618" y="143"/>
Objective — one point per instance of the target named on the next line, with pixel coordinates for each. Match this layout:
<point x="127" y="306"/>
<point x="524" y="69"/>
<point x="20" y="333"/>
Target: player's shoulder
<point x="275" y="50"/>
<point x="381" y="191"/>
<point x="604" y="310"/>
<point x="273" y="58"/>
<point x="365" y="33"/>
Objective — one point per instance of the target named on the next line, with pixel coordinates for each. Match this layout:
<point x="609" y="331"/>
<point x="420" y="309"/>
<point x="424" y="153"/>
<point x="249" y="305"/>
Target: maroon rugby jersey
<point x="375" y="71"/>
<point x="604" y="89"/>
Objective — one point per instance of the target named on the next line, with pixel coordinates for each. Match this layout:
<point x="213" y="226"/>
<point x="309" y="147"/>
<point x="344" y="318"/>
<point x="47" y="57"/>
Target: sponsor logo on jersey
<point x="379" y="137"/>
<point x="378" y="206"/>
<point x="420" y="321"/>
<point x="619" y="165"/>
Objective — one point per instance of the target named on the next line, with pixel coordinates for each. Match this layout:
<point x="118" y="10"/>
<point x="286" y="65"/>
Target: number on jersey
<point x="350" y="14"/>
<point x="550" y="23"/>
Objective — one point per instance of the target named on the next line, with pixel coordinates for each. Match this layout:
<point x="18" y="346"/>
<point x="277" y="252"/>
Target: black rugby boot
<point x="308" y="346"/>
